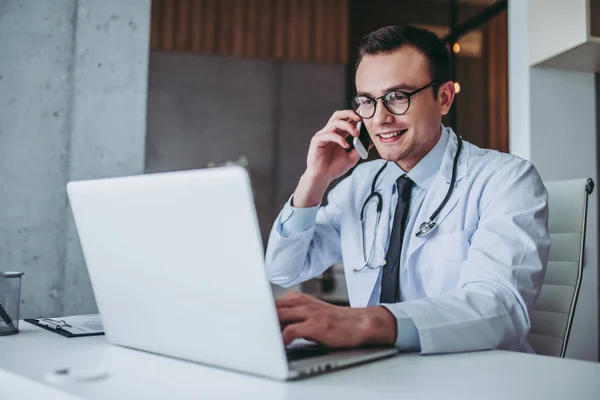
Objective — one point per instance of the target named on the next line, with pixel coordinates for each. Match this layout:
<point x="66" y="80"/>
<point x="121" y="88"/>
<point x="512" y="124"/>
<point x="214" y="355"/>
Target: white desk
<point x="29" y="355"/>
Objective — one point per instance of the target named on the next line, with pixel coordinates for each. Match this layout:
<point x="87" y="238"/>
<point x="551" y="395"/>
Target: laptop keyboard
<point x="301" y="353"/>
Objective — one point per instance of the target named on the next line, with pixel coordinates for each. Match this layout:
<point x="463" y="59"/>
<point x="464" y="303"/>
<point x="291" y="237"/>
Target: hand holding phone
<point x="329" y="157"/>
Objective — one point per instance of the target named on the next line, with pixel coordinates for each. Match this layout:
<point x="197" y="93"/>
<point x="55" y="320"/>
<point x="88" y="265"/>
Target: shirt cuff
<point x="408" y="336"/>
<point x="295" y="220"/>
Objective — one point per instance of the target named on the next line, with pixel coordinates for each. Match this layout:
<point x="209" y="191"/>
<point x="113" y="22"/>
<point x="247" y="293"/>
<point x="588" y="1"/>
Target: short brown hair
<point x="391" y="38"/>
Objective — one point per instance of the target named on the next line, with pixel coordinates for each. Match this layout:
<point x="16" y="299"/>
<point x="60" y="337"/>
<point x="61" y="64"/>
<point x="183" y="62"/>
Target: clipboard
<point x="56" y="328"/>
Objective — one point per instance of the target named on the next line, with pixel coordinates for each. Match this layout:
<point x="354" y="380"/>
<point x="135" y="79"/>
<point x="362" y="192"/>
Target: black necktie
<point x="390" y="287"/>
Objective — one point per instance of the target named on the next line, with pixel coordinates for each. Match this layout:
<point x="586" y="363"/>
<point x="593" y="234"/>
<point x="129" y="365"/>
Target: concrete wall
<point x="519" y="137"/>
<point x="72" y="98"/>
<point x="204" y="109"/>
<point x="36" y="60"/>
<point x="553" y="123"/>
<point x="108" y="121"/>
<point x="309" y="94"/>
<point x="564" y="146"/>
<point x="213" y="109"/>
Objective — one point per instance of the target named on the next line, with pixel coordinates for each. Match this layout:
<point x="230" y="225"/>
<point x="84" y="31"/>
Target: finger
<point x="292" y="299"/>
<point x="292" y="332"/>
<point x="344" y="115"/>
<point x="298" y="299"/>
<point x="354" y="156"/>
<point x="290" y="315"/>
<point x="324" y="138"/>
<point x="342" y="126"/>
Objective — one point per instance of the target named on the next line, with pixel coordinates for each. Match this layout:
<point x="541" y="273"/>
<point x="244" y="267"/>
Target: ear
<point x="446" y="94"/>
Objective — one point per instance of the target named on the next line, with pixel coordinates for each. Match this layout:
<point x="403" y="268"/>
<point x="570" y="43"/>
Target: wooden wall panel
<point x="279" y="32"/>
<point x="292" y="30"/>
<point x="319" y="32"/>
<point x="207" y="18"/>
<point x="156" y="25"/>
<point x="251" y="28"/>
<point x="342" y="47"/>
<point x="498" y="82"/>
<point x="196" y="14"/>
<point x="224" y="17"/>
<point x="168" y="24"/>
<point x="266" y="12"/>
<point x="182" y="32"/>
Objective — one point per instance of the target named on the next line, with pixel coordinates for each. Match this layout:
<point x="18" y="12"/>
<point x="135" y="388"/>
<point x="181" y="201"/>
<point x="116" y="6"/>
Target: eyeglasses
<point x="397" y="102"/>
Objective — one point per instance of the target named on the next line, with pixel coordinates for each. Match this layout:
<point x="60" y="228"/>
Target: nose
<point x="382" y="115"/>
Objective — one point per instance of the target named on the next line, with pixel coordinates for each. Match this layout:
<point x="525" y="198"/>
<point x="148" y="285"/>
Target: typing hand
<point x="303" y="316"/>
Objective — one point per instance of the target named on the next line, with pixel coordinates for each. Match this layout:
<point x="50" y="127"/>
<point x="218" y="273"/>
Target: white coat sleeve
<point x="304" y="250"/>
<point x="501" y="277"/>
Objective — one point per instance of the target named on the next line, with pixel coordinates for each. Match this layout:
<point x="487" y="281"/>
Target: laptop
<point x="176" y="263"/>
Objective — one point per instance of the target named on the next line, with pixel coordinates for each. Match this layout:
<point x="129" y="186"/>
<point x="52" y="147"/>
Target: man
<point x="471" y="282"/>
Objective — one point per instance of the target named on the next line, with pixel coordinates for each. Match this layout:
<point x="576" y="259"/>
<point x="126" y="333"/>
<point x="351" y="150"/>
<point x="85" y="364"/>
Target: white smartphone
<point x="362" y="142"/>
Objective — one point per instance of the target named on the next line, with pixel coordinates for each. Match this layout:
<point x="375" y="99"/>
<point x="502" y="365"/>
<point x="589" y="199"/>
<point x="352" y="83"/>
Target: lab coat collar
<point x="423" y="173"/>
<point x="448" y="160"/>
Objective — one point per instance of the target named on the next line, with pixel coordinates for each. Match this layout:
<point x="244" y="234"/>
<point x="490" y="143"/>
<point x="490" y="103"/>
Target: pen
<point x="6" y="318"/>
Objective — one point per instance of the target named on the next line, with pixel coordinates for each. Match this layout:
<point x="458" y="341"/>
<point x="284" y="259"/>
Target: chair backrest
<point x="553" y="313"/>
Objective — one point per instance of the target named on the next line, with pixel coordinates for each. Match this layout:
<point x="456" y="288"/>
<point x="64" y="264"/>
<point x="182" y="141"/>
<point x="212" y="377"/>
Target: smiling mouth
<point x="390" y="135"/>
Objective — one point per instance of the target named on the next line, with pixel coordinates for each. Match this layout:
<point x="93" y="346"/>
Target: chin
<point x="392" y="156"/>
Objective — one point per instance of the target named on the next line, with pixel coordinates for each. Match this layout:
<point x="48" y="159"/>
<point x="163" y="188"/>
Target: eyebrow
<point x="402" y="86"/>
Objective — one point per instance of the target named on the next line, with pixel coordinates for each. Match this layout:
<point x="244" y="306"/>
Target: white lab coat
<point x="472" y="282"/>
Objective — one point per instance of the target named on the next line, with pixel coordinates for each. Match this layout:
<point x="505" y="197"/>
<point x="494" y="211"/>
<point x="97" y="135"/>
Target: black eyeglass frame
<point x="384" y="99"/>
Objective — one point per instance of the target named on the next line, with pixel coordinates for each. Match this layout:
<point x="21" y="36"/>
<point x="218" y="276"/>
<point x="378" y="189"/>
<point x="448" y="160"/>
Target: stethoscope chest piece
<point x="425" y="228"/>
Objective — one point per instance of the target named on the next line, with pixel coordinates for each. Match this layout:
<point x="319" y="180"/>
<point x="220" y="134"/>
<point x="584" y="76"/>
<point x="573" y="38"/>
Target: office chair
<point x="554" y="310"/>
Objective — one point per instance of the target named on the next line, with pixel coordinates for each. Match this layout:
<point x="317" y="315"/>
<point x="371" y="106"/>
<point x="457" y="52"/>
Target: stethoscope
<point x="424" y="229"/>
